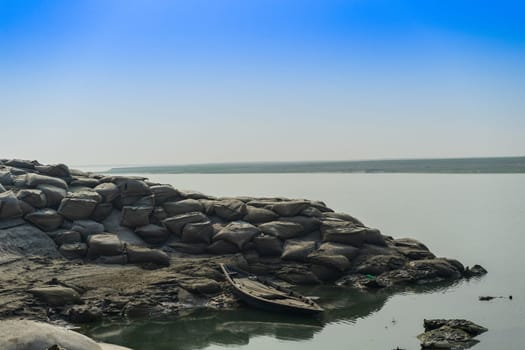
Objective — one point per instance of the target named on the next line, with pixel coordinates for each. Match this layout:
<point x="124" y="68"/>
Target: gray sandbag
<point x="33" y="180"/>
<point x="164" y="193"/>
<point x="158" y="215"/>
<point x="76" y="208"/>
<point x="135" y="216"/>
<point x="104" y="244"/>
<point x="56" y="295"/>
<point x="84" y="182"/>
<point x="54" y="170"/>
<point x="87" y="228"/>
<point x="34" y="197"/>
<point x="175" y="224"/>
<point x="311" y="212"/>
<point x="26" y="208"/>
<point x="54" y="195"/>
<point x="6" y="177"/>
<point x="198" y="232"/>
<point x="182" y="207"/>
<point x="343" y="232"/>
<point x="208" y="206"/>
<point x="142" y="255"/>
<point x="45" y="219"/>
<point x="133" y="188"/>
<point x="309" y="224"/>
<point x="65" y="236"/>
<point x="84" y="193"/>
<point x="134" y="201"/>
<point x="230" y="209"/>
<point x="267" y="245"/>
<point x="282" y="229"/>
<point x="238" y="233"/>
<point x="344" y="217"/>
<point x="297" y="250"/>
<point x="73" y="251"/>
<point x="289" y="208"/>
<point x="256" y="215"/>
<point x="102" y="211"/>
<point x="222" y="247"/>
<point x="22" y="163"/>
<point x="345" y="250"/>
<point x="153" y="234"/>
<point x="108" y="191"/>
<point x="374" y="236"/>
<point x="9" y="206"/>
<point x="338" y="262"/>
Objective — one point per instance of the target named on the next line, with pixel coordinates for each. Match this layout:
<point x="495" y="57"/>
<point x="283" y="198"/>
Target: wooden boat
<point x="266" y="295"/>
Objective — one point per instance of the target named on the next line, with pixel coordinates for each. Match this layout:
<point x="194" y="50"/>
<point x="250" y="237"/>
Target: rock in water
<point x="450" y="334"/>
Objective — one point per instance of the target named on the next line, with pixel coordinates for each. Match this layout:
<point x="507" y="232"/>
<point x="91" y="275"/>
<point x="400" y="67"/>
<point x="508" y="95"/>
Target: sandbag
<point x="109" y="191"/>
<point x="175" y="224"/>
<point x="344" y="217"/>
<point x="182" y="207"/>
<point x="153" y="234"/>
<point x="84" y="193"/>
<point x="309" y="224"/>
<point x="9" y="206"/>
<point x="198" y="232"/>
<point x="84" y="182"/>
<point x="135" y="216"/>
<point x="87" y="228"/>
<point x="73" y="251"/>
<point x="6" y="178"/>
<point x="102" y="211"/>
<point x="65" y="236"/>
<point x="330" y="248"/>
<point x="33" y="180"/>
<point x="289" y="208"/>
<point x="76" y="208"/>
<point x="54" y="170"/>
<point x="238" y="233"/>
<point x="282" y="229"/>
<point x="338" y="262"/>
<point x="45" y="219"/>
<point x="35" y="198"/>
<point x="133" y="188"/>
<point x="297" y="250"/>
<point x="104" y="244"/>
<point x="230" y="209"/>
<point x="22" y="163"/>
<point x="54" y="195"/>
<point x="164" y="193"/>
<point x="256" y="215"/>
<point x="343" y="232"/>
<point x="267" y="245"/>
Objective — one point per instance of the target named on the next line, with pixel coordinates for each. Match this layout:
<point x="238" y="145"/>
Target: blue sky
<point x="137" y="82"/>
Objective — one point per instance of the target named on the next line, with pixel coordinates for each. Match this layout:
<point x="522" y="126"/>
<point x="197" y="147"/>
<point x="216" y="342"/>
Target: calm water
<point x="474" y="218"/>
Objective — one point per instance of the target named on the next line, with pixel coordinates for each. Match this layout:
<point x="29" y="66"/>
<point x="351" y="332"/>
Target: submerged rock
<point x="450" y="334"/>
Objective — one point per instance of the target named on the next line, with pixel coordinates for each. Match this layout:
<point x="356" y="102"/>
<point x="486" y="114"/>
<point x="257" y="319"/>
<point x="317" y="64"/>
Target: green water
<point x="474" y="218"/>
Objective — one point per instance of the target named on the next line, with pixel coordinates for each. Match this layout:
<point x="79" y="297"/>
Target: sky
<point x="113" y="82"/>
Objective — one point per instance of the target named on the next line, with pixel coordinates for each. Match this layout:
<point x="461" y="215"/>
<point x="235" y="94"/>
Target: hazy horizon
<point x="175" y="82"/>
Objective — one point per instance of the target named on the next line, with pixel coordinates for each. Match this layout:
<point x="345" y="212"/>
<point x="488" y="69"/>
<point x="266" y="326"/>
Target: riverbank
<point x="126" y="247"/>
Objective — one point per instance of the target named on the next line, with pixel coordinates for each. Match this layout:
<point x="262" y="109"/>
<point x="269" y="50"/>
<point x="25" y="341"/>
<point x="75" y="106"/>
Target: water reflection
<point x="200" y="328"/>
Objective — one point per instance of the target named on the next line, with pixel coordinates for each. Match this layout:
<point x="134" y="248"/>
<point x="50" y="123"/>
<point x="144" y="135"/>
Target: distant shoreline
<point x="499" y="165"/>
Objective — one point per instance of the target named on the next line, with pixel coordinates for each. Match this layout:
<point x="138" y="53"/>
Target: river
<point x="475" y="218"/>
